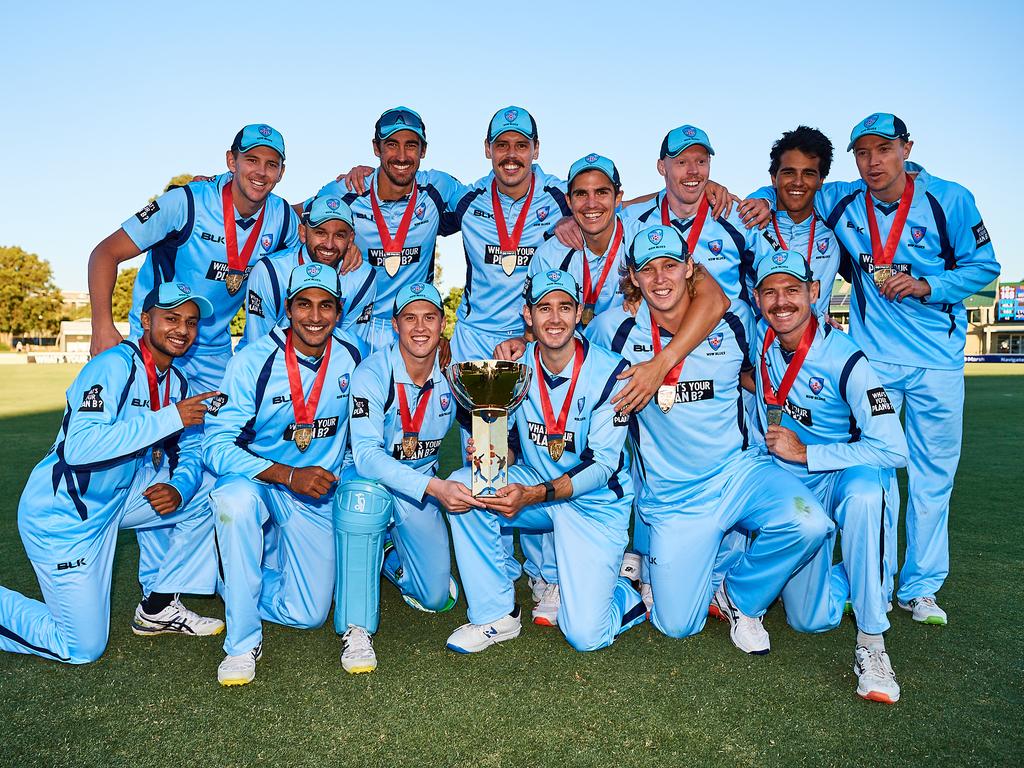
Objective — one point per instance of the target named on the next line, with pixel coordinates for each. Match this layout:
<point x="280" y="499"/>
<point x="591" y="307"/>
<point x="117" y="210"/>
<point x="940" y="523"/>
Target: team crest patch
<point x="267" y="241"/>
<point x="421" y="210"/>
<point x="817" y="384"/>
<point x="554" y="275"/>
<point x="184" y="289"/>
<point x="542" y="213"/>
<point x="715" y="340"/>
<point x="580" y="403"/>
<point x="313" y="269"/>
<point x="416" y="288"/>
<point x="444" y="401"/>
<point x="591" y="158"/>
<point x="869" y="121"/>
<point x="92" y="400"/>
<point x="715" y="246"/>
<point x="689" y="131"/>
<point x="265" y="130"/>
<point x="822" y="246"/>
<point x="511" y="115"/>
<point x="655" y="236"/>
<point x="779" y="258"/>
<point x="332" y="203"/>
<point x="343" y="383"/>
<point x="918" y="233"/>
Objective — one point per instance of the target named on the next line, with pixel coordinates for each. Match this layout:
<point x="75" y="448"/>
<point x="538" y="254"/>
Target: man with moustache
<point x="915" y="247"/>
<point x="402" y="407"/>
<point x="828" y="420"/>
<point x="127" y="455"/>
<point x="276" y="447"/>
<point x="187" y="241"/>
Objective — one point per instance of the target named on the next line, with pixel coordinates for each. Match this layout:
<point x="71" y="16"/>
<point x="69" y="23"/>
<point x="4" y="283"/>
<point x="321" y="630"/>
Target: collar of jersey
<point x="538" y="189"/>
<point x="401" y="375"/>
<point x="376" y="189"/>
<point x="314" y="365"/>
<point x="643" y="319"/>
<point x="684" y="224"/>
<point x="555" y="380"/>
<point x="138" y="353"/>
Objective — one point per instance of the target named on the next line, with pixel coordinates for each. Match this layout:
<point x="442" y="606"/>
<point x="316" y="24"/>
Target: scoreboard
<point x="1010" y="304"/>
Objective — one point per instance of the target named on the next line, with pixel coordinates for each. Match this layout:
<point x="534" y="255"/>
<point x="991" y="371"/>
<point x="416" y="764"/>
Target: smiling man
<point x="277" y="447"/>
<point x="127" y="455"/>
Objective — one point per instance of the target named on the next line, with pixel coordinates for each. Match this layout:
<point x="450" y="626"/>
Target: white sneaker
<point x="537" y="587"/>
<point x="357" y="651"/>
<point x="471" y="638"/>
<point x="545" y="613"/>
<point x="453" y="598"/>
<point x="747" y="633"/>
<point x="239" y="670"/>
<point x="875" y="679"/>
<point x="924" y="610"/>
<point x="175" y="619"/>
<point x="630" y="568"/>
<point x="647" y="595"/>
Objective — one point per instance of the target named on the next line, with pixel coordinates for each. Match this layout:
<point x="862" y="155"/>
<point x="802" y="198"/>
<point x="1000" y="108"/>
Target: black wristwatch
<point x="549" y="490"/>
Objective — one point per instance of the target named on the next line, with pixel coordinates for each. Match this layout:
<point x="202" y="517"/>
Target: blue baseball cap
<point x="512" y="119"/>
<point x="653" y="243"/>
<point x="171" y="295"/>
<point x="399" y="119"/>
<point x="879" y="124"/>
<point x="783" y="263"/>
<point x="684" y="136"/>
<point x="258" y="135"/>
<point x="314" y="276"/>
<point x="417" y="292"/>
<point x="595" y="162"/>
<point x="552" y="280"/>
<point x="327" y="208"/>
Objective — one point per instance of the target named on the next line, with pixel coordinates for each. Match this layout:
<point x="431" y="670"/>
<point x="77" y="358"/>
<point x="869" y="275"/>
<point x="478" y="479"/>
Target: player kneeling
<point x="830" y="423"/>
<point x="402" y="407"/>
<point x="276" y="446"/>
<point x="571" y="476"/>
<point x="700" y="477"/>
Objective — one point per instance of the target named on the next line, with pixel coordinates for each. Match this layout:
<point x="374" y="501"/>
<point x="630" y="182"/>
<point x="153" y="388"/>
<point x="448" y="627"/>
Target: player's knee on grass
<point x="678" y="622"/>
<point x="88" y="642"/>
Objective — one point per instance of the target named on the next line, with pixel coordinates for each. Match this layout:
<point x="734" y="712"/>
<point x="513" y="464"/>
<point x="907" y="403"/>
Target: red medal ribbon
<point x="551" y="427"/>
<point x="411" y="423"/>
<point x="154" y="390"/>
<point x="590" y="295"/>
<point x="810" y="242"/>
<point x="236" y="262"/>
<point x="883" y="257"/>
<point x="510" y="243"/>
<point x="673" y="376"/>
<point x="771" y="397"/>
<point x="698" y="221"/>
<point x="393" y="245"/>
<point x="305" y="410"/>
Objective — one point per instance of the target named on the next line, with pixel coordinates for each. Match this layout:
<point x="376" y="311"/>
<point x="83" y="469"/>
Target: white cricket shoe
<point x="747" y="633"/>
<point x="630" y="568"/>
<point x="647" y="595"/>
<point x="239" y="670"/>
<point x="472" y="638"/>
<point x="175" y="619"/>
<point x="924" y="610"/>
<point x="545" y="613"/>
<point x="357" y="654"/>
<point x="875" y="679"/>
<point x="537" y="587"/>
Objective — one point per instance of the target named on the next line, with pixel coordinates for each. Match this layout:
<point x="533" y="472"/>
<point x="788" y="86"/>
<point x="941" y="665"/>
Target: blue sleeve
<point x="188" y="474"/>
<point x="975" y="259"/>
<point x="359" y="290"/>
<point x="97" y="431"/>
<point x="226" y="430"/>
<point x="167" y="214"/>
<point x="373" y="461"/>
<point x="451" y="189"/>
<point x="261" y="308"/>
<point x="606" y="440"/>
<point x="292" y="240"/>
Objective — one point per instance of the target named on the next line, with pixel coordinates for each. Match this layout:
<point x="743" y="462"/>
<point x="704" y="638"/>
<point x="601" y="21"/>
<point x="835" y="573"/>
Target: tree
<point x="30" y="303"/>
<point x="238" y="322"/>
<point x="176" y="181"/>
<point x="451" y="303"/>
<point x="121" y="300"/>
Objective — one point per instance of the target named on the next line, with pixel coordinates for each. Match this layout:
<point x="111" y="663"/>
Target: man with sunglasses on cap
<point x="276" y="447"/>
<point x="700" y="476"/>
<point x="402" y="407"/>
<point x="398" y="214"/>
<point x="828" y="420"/>
<point x="567" y="474"/>
<point x="327" y="234"/>
<point x="187" y="241"/>
<point x="127" y="455"/>
<point x="915" y="247"/>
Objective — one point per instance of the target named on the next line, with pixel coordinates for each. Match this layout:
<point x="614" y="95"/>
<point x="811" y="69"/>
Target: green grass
<point x="646" y="701"/>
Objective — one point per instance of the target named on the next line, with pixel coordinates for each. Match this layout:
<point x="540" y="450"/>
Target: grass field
<point x="646" y="701"/>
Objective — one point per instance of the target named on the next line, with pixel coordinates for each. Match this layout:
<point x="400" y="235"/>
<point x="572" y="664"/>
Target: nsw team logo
<point x="554" y="276"/>
<point x="715" y="246"/>
<point x="265" y="130"/>
<point x="445" y="400"/>
<point x="822" y="246"/>
<point x="918" y="233"/>
<point x="689" y="131"/>
<point x="591" y="158"/>
<point x="313" y="269"/>
<point x="511" y="115"/>
<point x="655" y="236"/>
<point x="869" y="121"/>
<point x="421" y="210"/>
<point x="542" y="213"/>
<point x="779" y="258"/>
<point x="333" y="203"/>
<point x="416" y="288"/>
<point x="343" y="383"/>
<point x="267" y="241"/>
<point x="817" y="384"/>
<point x="184" y="289"/>
<point x="580" y="403"/>
<point x="715" y="340"/>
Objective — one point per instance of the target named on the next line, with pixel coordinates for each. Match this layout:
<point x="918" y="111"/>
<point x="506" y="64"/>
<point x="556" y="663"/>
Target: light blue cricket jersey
<point x="106" y="436"/>
<point x="183" y="230"/>
<point x="824" y="252"/>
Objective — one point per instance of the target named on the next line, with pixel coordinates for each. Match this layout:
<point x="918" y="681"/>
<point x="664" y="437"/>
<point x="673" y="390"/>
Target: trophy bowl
<point x="490" y="390"/>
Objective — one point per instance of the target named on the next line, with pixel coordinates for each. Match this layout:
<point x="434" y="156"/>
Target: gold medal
<point x="666" y="397"/>
<point x="303" y="436"/>
<point x="774" y="415"/>
<point x="392" y="261"/>
<point x="588" y="315"/>
<point x="881" y="275"/>
<point x="556" y="447"/>
<point x="158" y="457"/>
<point x="409" y="445"/>
<point x="233" y="281"/>
<point x="508" y="262"/>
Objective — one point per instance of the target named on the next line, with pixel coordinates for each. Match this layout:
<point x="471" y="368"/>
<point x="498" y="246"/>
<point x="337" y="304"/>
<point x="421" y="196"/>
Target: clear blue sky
<point x="104" y="102"/>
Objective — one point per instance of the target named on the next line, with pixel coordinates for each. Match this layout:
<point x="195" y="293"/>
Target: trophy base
<point x="490" y="457"/>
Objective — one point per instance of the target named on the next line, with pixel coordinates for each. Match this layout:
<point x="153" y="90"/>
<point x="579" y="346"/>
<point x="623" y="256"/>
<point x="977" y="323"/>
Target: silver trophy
<point x="490" y="390"/>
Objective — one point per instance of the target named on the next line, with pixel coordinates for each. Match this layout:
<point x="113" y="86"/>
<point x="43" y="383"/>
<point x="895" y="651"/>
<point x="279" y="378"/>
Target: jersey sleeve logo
<point x="216" y="403"/>
<point x="878" y="399"/>
<point x="366" y="315"/>
<point x="360" y="408"/>
<point x="255" y="305"/>
<point x="980" y="234"/>
<point x="92" y="400"/>
<point x="147" y="212"/>
<point x="620" y="419"/>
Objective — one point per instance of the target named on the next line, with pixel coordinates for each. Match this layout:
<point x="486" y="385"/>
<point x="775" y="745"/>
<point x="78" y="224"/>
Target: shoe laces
<point x="926" y="601"/>
<point x="183" y="611"/>
<point x="876" y="663"/>
<point x="551" y="594"/>
<point x="357" y="639"/>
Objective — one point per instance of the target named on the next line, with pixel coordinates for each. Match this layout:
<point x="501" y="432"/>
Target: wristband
<point x="549" y="490"/>
<point x="288" y="484"/>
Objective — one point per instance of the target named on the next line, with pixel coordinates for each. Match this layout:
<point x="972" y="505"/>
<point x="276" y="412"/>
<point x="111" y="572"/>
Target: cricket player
<point x="700" y="477"/>
<point x="328" y="233"/>
<point x="914" y="247"/>
<point x="402" y="407"/>
<point x="276" y="447"/>
<point x="828" y="420"/>
<point x="187" y="241"/>
<point x="568" y="474"/>
<point x="126" y="456"/>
